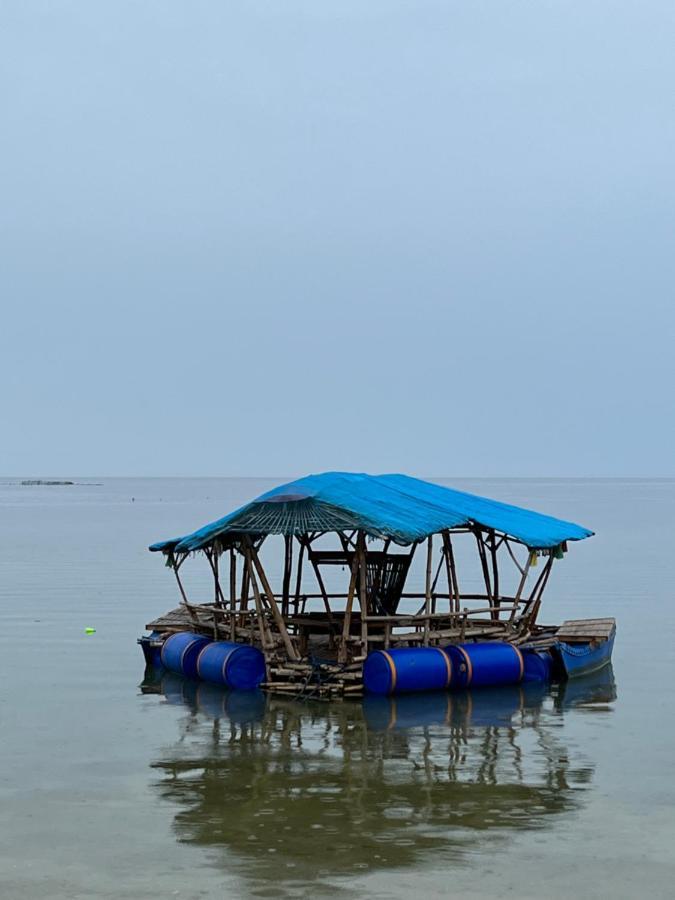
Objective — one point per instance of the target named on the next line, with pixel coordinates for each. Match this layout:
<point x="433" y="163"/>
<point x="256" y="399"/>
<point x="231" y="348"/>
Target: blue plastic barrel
<point x="180" y="652"/>
<point x="487" y="664"/>
<point x="238" y="666"/>
<point x="538" y="665"/>
<point x="407" y="669"/>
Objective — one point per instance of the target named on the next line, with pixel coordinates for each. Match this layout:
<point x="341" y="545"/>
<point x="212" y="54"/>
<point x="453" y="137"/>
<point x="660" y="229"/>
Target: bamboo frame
<point x="285" y="631"/>
<point x="252" y="556"/>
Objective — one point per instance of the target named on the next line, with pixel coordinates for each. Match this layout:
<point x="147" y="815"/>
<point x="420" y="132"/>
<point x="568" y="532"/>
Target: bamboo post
<point x="298" y="581"/>
<point x="233" y="593"/>
<point x="539" y="588"/>
<point x="245" y="584"/>
<point x="453" y="583"/>
<point x="521" y="587"/>
<point x="176" y="566"/>
<point x="435" y="582"/>
<point x="212" y="557"/>
<point x="322" y="588"/>
<point x="495" y="575"/>
<point x="265" y="638"/>
<point x="484" y="565"/>
<point x="288" y="564"/>
<point x="346" y="625"/>
<point x="427" y="588"/>
<point x="363" y="592"/>
<point x="278" y="618"/>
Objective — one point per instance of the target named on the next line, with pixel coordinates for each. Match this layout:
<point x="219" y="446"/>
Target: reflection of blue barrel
<point x="482" y="665"/>
<point x="407" y="711"/>
<point x="180" y="652"/>
<point x="487" y="708"/>
<point x="407" y="669"/>
<point x="179" y="690"/>
<point x="237" y="666"/>
<point x="241" y="707"/>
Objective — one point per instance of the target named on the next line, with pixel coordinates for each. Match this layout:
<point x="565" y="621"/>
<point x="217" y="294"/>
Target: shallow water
<point x="112" y="785"/>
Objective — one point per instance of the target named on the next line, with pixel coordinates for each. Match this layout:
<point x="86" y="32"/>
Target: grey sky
<point x="278" y="237"/>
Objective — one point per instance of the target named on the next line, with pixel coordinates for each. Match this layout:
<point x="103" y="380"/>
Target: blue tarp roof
<point x="399" y="507"/>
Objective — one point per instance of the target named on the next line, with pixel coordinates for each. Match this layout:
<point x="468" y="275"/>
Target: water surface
<point x="117" y="785"/>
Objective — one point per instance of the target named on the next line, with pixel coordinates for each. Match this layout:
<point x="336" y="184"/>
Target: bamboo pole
<point x="453" y="584"/>
<point x="298" y="581"/>
<point x="278" y="618"/>
<point x="427" y="591"/>
<point x="543" y="580"/>
<point x="212" y="557"/>
<point x="265" y="638"/>
<point x="495" y="573"/>
<point x="484" y="565"/>
<point x="322" y="588"/>
<point x="521" y="587"/>
<point x="363" y="592"/>
<point x="233" y="593"/>
<point x="245" y="583"/>
<point x="288" y="565"/>
<point x="346" y="625"/>
<point x="513" y="556"/>
<point x="176" y="566"/>
<point x="435" y="582"/>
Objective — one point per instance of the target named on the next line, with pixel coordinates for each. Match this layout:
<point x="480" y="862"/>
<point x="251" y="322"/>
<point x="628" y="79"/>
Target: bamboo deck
<point x="318" y="673"/>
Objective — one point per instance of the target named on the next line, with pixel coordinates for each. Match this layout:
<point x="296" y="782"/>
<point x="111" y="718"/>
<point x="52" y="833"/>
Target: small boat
<point x="345" y="620"/>
<point x="584" y="646"/>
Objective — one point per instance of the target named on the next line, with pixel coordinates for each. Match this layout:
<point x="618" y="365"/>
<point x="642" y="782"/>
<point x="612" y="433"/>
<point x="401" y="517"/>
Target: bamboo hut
<point x="366" y="530"/>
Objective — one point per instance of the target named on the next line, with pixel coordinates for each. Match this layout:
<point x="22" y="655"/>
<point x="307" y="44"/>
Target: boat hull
<point x="577" y="660"/>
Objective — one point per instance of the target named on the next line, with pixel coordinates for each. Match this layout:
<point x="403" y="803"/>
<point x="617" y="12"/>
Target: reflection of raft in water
<point x="487" y="707"/>
<point x="379" y="783"/>
<point x="210" y="699"/>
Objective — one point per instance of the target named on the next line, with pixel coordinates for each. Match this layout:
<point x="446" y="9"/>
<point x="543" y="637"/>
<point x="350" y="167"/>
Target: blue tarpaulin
<point x="399" y="507"/>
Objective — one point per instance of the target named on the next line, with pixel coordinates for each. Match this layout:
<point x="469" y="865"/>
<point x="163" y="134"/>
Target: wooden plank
<point x="582" y="630"/>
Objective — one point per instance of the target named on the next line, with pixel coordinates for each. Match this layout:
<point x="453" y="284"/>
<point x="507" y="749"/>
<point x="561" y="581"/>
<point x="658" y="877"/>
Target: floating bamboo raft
<point x="317" y="642"/>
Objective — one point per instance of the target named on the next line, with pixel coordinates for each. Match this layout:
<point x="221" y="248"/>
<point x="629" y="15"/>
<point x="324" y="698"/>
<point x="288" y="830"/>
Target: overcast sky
<point x="281" y="237"/>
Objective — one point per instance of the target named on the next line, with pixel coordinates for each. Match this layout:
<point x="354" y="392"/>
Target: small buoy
<point x="90" y="631"/>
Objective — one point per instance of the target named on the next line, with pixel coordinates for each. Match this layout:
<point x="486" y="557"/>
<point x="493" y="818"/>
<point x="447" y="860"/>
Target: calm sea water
<point x="112" y="786"/>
